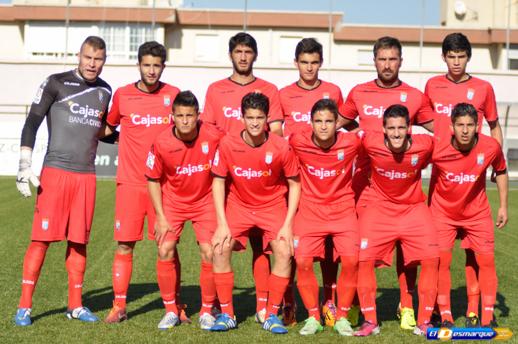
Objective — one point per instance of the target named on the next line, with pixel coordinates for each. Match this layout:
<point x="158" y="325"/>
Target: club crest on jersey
<point x="118" y="225"/>
<point x="45" y="223"/>
<point x="470" y="94"/>
<point x="257" y="91"/>
<point x="402" y="97"/>
<point x="101" y="95"/>
<point x="268" y="158"/>
<point x="216" y="158"/>
<point x="480" y="159"/>
<point x="325" y="95"/>
<point x="414" y="160"/>
<point x="167" y="100"/>
<point x="205" y="147"/>
<point x="150" y="162"/>
<point x="340" y="154"/>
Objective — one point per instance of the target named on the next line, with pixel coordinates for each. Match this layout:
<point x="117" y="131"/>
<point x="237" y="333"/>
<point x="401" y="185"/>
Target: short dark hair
<point x="308" y="46"/>
<point x="395" y="111"/>
<point x="387" y="42"/>
<point x="255" y="100"/>
<point x="95" y="42"/>
<point x="464" y="109"/>
<point x="186" y="98"/>
<point x="242" y="38"/>
<point x="456" y="42"/>
<point x="325" y="104"/>
<point x="152" y="48"/>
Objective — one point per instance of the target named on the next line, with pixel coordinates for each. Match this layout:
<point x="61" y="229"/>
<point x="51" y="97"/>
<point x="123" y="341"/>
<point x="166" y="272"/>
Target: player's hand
<point x="501" y="218"/>
<point x="493" y="176"/>
<point x="162" y="227"/>
<point x="286" y="234"/>
<point x="221" y="238"/>
<point x="25" y="174"/>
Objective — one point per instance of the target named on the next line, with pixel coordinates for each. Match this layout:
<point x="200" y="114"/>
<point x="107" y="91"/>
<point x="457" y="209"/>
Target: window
<point x="123" y="40"/>
<point x="513" y="57"/>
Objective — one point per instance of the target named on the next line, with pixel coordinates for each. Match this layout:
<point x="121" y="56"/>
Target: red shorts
<point x="315" y="222"/>
<point x="132" y="205"/>
<point x="202" y="215"/>
<point x="241" y="220"/>
<point x="384" y="223"/>
<point x="476" y="235"/>
<point x="64" y="206"/>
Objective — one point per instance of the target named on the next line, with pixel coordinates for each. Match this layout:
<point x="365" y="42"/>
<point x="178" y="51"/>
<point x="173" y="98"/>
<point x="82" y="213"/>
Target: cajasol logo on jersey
<point x="149" y="120"/>
<point x="189" y="170"/>
<point x="393" y="174"/>
<point x="443" y="109"/>
<point x="230" y="112"/>
<point x="83" y="114"/>
<point x="249" y="173"/>
<point x="322" y="173"/>
<point x="301" y="117"/>
<point x="461" y="178"/>
<point x="470" y="94"/>
<point x="456" y="333"/>
<point x="370" y="110"/>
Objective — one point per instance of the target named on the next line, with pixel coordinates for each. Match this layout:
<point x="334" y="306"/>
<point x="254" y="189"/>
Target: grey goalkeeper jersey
<point x="75" y="111"/>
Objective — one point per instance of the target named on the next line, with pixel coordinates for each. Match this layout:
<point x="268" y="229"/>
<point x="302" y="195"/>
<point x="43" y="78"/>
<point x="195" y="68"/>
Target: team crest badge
<point x="205" y="147"/>
<point x="340" y="155"/>
<point x="118" y="225"/>
<point x="268" y="158"/>
<point x="257" y="91"/>
<point x="216" y="158"/>
<point x="101" y="95"/>
<point x="415" y="159"/>
<point x="45" y="223"/>
<point x="470" y="94"/>
<point x="167" y="100"/>
<point x="364" y="243"/>
<point x="150" y="162"/>
<point x="480" y="159"/>
<point x="325" y="95"/>
<point x="402" y="97"/>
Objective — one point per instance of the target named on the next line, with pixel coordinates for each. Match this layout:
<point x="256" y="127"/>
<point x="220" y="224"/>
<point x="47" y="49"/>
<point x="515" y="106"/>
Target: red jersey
<point x="142" y="116"/>
<point x="369" y="101"/>
<point x="445" y="94"/>
<point x="460" y="178"/>
<point x="183" y="168"/>
<point x="223" y="103"/>
<point x="396" y="177"/>
<point x="258" y="174"/>
<point x="297" y="102"/>
<point x="326" y="174"/>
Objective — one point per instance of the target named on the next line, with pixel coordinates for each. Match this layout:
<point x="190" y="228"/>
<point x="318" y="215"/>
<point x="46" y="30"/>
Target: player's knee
<point x="486" y="261"/>
<point x="125" y="247"/>
<point x="206" y="253"/>
<point x="349" y="262"/>
<point x="167" y="250"/>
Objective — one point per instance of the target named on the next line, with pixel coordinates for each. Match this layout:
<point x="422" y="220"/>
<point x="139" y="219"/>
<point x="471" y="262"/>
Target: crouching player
<point x="459" y="204"/>
<point x="261" y="169"/>
<point x="326" y="209"/>
<point x="179" y="183"/>
<point x="397" y="214"/>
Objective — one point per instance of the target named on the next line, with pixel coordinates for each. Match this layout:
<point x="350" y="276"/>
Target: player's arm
<point x="496" y="131"/>
<point x="276" y="127"/>
<point x="347" y="124"/>
<point x="222" y="234"/>
<point x="347" y="113"/>
<point x="108" y="133"/>
<point x="161" y="224"/>
<point x="286" y="231"/>
<point x="502" y="184"/>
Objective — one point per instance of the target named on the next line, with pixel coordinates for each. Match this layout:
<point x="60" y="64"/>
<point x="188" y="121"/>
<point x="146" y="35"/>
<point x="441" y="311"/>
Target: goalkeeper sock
<point x="76" y="266"/>
<point x="32" y="263"/>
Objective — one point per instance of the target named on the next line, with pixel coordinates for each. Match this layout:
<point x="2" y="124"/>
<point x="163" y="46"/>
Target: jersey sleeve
<point x="219" y="165"/>
<point x="208" y="109"/>
<point x="114" y="116"/>
<point x="275" y="113"/>
<point x="348" y="108"/>
<point x="490" y="109"/>
<point x="290" y="164"/>
<point x="154" y="163"/>
<point x="425" y="113"/>
<point x="498" y="163"/>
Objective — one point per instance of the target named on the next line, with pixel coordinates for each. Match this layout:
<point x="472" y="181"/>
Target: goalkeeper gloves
<point x="25" y="174"/>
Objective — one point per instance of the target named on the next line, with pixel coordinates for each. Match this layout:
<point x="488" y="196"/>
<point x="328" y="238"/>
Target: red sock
<point x="427" y="289"/>
<point x="166" y="277"/>
<point x="261" y="270"/>
<point x="76" y="265"/>
<point x="347" y="282"/>
<point x="121" y="276"/>
<point x="208" y="288"/>
<point x="178" y="271"/>
<point x="276" y="288"/>
<point x="308" y="286"/>
<point x="472" y="283"/>
<point x="224" y="282"/>
<point x="488" y="285"/>
<point x="407" y="276"/>
<point x="34" y="258"/>
<point x="444" y="286"/>
<point x="367" y="290"/>
<point x="329" y="272"/>
<point x="289" y="294"/>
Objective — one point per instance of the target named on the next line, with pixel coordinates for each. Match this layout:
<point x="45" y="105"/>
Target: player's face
<point x="91" y="62"/>
<point x="396" y="133"/>
<point x="243" y="58"/>
<point x="185" y="119"/>
<point x="151" y="68"/>
<point x="464" y="130"/>
<point x="456" y="62"/>
<point x="324" y="125"/>
<point x="308" y="66"/>
<point x="255" y="122"/>
<point x="387" y="62"/>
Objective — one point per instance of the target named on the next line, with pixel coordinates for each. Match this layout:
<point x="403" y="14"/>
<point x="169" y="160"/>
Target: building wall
<point x="479" y="13"/>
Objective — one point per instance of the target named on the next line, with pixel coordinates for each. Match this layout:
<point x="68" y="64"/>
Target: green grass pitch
<point x="144" y="303"/>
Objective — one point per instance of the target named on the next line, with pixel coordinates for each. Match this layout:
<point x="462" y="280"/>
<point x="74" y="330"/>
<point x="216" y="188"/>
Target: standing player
<point x="397" y="213"/>
<point x="179" y="183"/>
<point x="74" y="103"/>
<point x="143" y="110"/>
<point x="457" y="86"/>
<point x="459" y="205"/>
<point x="262" y="171"/>
<point x="297" y="100"/>
<point x="326" y="209"/>
<point x="223" y="108"/>
<point x="368" y="101"/>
